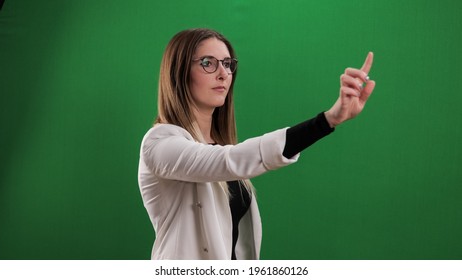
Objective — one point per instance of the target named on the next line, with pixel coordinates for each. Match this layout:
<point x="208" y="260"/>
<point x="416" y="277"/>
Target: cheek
<point x="195" y="77"/>
<point x="199" y="81"/>
<point x="198" y="86"/>
<point x="194" y="85"/>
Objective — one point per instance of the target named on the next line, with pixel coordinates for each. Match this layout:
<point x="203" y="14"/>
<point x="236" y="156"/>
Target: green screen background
<point x="78" y="89"/>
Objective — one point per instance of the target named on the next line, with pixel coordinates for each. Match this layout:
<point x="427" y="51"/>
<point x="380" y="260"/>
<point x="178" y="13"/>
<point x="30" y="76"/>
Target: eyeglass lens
<point x="210" y="64"/>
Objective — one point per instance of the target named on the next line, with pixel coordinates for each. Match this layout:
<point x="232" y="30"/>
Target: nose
<point x="222" y="72"/>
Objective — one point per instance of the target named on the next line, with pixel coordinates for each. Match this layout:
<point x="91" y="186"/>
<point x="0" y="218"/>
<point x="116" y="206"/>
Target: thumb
<point x="367" y="91"/>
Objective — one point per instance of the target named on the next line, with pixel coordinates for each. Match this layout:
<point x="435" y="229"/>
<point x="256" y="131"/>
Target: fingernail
<point x="367" y="78"/>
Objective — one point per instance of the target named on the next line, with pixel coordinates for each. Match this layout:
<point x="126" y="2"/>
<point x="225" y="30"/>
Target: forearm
<point x="303" y="135"/>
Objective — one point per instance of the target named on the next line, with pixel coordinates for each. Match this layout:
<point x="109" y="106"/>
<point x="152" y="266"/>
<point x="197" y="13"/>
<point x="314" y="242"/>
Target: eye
<point x="206" y="62"/>
<point x="227" y="63"/>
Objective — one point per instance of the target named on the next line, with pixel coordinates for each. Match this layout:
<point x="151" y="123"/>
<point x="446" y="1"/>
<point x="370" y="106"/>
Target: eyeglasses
<point x="210" y="64"/>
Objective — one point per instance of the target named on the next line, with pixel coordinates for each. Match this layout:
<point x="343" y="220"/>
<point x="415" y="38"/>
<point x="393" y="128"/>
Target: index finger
<point x="368" y="63"/>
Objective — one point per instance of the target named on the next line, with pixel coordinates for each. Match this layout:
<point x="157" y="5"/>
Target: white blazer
<point x="188" y="209"/>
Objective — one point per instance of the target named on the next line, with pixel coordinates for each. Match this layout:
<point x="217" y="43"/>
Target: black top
<point x="239" y="203"/>
<point x="298" y="138"/>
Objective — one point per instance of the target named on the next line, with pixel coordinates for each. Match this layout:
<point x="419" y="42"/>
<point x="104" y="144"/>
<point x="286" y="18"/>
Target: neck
<point x="204" y="120"/>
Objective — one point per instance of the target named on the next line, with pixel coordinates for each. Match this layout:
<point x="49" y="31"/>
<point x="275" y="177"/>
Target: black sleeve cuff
<point x="305" y="134"/>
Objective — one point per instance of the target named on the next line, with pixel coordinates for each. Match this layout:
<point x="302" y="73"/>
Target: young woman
<point x="193" y="175"/>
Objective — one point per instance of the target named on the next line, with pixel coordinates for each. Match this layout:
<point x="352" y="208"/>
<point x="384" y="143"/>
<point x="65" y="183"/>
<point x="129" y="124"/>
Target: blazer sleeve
<point x="170" y="152"/>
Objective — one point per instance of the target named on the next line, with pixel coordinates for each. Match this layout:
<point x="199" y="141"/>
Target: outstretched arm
<point x="353" y="95"/>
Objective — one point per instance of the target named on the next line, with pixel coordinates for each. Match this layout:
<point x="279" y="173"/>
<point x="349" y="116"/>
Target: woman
<point x="193" y="175"/>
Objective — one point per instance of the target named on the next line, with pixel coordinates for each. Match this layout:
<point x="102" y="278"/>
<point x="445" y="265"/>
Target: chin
<point x="219" y="105"/>
<point x="220" y="102"/>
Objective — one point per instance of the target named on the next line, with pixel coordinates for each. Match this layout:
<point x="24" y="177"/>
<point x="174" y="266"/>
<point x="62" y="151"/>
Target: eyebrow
<point x="211" y="56"/>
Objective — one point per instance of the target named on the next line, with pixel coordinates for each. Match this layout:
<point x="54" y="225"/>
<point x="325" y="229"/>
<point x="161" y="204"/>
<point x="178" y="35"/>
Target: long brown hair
<point x="174" y="97"/>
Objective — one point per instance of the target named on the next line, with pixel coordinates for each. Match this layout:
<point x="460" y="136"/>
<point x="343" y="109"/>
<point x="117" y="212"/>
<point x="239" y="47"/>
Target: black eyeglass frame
<point x="201" y="59"/>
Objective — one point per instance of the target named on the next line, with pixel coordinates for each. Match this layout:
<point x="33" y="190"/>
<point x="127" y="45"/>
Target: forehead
<point x="213" y="47"/>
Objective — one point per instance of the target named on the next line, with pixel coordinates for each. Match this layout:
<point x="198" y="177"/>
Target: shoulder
<point x="160" y="131"/>
<point x="163" y="140"/>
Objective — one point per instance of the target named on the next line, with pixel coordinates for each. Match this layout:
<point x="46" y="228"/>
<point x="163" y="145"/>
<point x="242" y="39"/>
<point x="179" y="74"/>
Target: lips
<point x="220" y="88"/>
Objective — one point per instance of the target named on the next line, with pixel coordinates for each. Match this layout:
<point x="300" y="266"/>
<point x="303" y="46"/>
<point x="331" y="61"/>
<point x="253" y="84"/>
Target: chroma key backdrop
<point x="78" y="85"/>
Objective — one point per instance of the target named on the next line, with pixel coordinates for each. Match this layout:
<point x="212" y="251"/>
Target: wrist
<point x="330" y="119"/>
